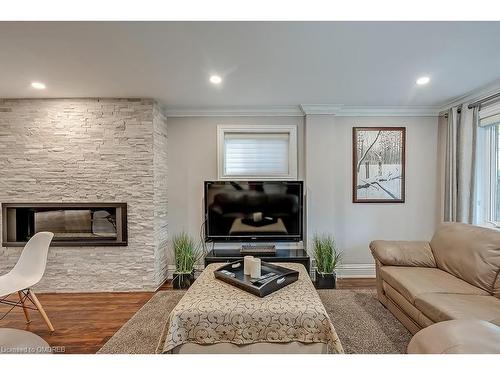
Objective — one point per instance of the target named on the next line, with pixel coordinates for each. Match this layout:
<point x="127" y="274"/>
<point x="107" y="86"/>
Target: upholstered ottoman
<point x="17" y="341"/>
<point x="457" y="336"/>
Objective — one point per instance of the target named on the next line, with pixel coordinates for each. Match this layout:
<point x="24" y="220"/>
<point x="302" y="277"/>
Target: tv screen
<point x="253" y="210"/>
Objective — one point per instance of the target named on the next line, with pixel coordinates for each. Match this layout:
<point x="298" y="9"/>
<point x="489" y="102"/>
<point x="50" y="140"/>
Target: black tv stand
<point x="281" y="256"/>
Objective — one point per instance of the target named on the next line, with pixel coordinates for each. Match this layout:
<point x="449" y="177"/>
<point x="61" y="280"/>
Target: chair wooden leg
<point x="42" y="311"/>
<point x="26" y="312"/>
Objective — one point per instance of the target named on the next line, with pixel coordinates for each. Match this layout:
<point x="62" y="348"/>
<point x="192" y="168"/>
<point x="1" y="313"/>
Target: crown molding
<point x="388" y="111"/>
<point x="304" y="110"/>
<point x="320" y="109"/>
<point x="472" y="96"/>
<point x="351" y="111"/>
<point x="285" y="110"/>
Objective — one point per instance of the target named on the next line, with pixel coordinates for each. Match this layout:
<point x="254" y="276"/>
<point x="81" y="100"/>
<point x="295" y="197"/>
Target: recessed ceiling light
<point x="38" y="85"/>
<point x="423" y="81"/>
<point x="215" y="79"/>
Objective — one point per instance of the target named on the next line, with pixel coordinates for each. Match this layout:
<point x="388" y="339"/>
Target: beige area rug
<point x="362" y="324"/>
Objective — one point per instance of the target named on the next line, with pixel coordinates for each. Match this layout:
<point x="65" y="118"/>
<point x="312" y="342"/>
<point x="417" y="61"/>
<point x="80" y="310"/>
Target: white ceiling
<point x="263" y="64"/>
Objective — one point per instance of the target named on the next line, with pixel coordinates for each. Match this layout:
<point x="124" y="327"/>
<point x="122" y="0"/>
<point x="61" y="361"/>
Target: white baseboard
<point x="361" y="270"/>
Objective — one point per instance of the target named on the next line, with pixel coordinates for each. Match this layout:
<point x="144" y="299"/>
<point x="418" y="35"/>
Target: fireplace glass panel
<point x="75" y="223"/>
<point x="72" y="224"/>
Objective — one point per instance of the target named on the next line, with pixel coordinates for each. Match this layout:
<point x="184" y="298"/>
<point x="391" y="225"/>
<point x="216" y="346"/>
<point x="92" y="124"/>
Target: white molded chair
<point x="27" y="272"/>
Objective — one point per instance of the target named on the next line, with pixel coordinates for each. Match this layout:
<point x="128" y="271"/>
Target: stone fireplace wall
<point x="90" y="150"/>
<point x="160" y="194"/>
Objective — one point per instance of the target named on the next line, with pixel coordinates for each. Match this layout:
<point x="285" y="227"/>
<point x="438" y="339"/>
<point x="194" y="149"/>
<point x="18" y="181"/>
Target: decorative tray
<point x="273" y="277"/>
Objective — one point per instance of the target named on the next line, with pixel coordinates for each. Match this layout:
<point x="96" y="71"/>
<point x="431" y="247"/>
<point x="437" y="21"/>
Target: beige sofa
<point x="454" y="276"/>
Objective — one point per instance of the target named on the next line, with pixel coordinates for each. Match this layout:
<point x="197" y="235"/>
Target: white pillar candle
<point x="255" y="268"/>
<point x="247" y="264"/>
<point x="257" y="216"/>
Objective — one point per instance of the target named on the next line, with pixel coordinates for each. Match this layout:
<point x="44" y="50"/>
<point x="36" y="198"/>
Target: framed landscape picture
<point x="378" y="170"/>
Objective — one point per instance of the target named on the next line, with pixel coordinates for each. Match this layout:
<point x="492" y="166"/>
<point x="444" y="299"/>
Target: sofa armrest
<point x="403" y="253"/>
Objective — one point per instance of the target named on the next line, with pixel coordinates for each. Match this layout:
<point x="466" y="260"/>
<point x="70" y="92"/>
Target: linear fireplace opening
<point x="73" y="224"/>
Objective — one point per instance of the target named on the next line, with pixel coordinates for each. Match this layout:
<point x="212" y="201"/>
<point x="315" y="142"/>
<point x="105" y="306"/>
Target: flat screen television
<point x="253" y="211"/>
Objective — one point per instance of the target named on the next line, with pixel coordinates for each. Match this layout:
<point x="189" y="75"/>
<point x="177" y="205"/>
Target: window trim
<point x="491" y="167"/>
<point x="290" y="130"/>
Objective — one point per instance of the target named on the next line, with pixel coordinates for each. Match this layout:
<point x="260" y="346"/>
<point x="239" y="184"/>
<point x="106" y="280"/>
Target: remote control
<point x="263" y="278"/>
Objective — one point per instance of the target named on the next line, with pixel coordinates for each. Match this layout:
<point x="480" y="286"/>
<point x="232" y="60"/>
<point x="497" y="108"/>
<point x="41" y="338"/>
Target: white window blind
<point x="490" y="115"/>
<point x="257" y="152"/>
<point x="490" y="120"/>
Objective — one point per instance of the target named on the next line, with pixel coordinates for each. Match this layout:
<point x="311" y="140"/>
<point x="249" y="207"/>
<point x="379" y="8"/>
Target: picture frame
<point x="378" y="164"/>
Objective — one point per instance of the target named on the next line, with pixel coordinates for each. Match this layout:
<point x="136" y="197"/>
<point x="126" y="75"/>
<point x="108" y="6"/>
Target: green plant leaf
<point x="326" y="253"/>
<point x="186" y="253"/>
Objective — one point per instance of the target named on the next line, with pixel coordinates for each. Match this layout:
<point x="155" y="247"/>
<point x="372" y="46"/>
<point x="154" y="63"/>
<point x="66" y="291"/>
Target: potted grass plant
<point x="327" y="258"/>
<point x="187" y="253"/>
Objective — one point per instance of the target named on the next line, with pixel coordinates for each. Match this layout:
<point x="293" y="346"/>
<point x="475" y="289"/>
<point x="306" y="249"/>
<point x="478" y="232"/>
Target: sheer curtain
<point x="460" y="164"/>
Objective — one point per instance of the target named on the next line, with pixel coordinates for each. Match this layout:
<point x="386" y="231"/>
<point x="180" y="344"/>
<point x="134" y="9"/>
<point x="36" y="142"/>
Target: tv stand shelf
<point x="281" y="256"/>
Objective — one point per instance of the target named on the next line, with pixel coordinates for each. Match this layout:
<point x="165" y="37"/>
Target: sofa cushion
<point x="415" y="314"/>
<point x="468" y="252"/>
<point x="413" y="281"/>
<point x="443" y="306"/>
<point x="403" y="253"/>
<point x="457" y="336"/>
<point x="496" y="286"/>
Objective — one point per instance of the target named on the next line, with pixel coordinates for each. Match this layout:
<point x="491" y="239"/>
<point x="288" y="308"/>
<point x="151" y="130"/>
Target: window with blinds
<point x="489" y="116"/>
<point x="257" y="152"/>
<point x="488" y="166"/>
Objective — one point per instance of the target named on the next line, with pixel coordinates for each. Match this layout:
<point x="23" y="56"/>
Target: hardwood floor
<point x="357" y="283"/>
<point x="83" y="322"/>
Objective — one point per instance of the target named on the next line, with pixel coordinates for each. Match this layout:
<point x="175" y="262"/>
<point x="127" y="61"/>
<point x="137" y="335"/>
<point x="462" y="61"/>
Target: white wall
<point x="192" y="155"/>
<point x="325" y="162"/>
<point x="329" y="185"/>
